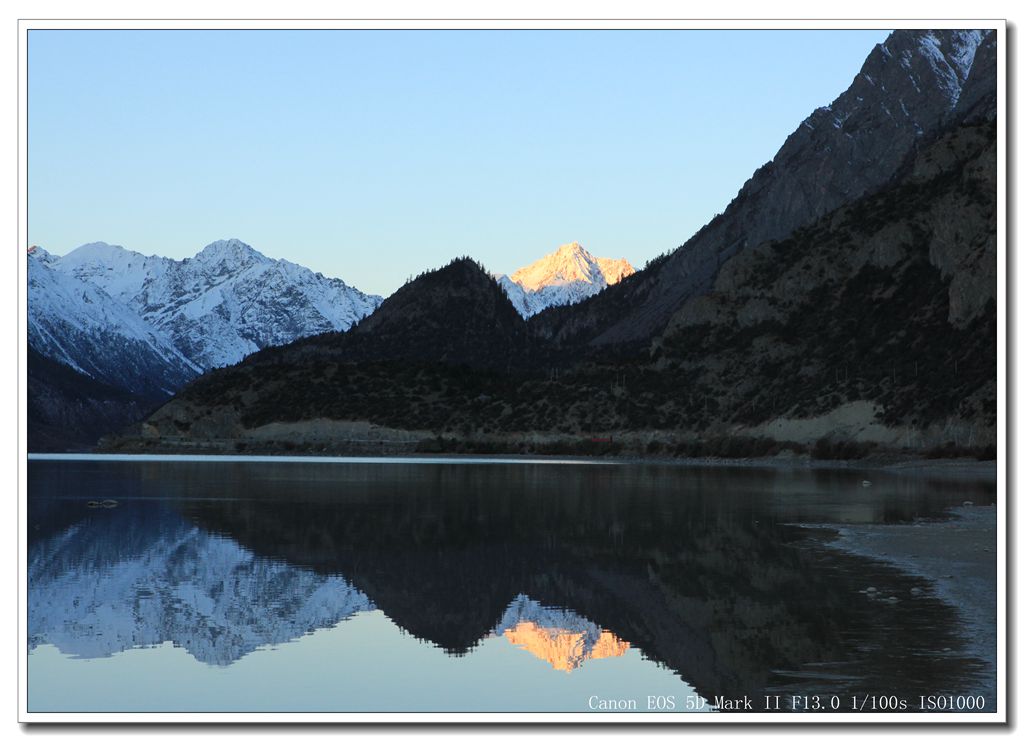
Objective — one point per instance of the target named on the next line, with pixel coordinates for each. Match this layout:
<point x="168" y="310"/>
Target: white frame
<point x="1000" y="716"/>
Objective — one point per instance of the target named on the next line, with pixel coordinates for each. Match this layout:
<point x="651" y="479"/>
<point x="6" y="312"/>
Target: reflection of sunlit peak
<point x="561" y="638"/>
<point x="608" y="645"/>
<point x="561" y="649"/>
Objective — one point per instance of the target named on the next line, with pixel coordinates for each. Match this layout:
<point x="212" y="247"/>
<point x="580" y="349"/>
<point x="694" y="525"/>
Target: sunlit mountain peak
<point x="565" y="276"/>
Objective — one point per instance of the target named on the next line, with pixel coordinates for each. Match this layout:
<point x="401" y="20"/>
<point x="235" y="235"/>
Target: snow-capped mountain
<point x="205" y="593"/>
<point x="566" y="276"/>
<point x="226" y="302"/>
<point x="80" y="325"/>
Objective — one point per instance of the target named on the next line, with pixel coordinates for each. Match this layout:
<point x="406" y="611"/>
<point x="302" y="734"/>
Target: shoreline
<point x="960" y="468"/>
<point x="956" y="555"/>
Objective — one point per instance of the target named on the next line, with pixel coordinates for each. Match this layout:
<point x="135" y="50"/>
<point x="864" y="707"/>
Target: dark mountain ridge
<point x="454" y="315"/>
<point x="458" y="314"/>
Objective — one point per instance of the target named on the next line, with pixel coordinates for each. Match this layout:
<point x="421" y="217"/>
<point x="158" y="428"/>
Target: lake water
<point x="292" y="586"/>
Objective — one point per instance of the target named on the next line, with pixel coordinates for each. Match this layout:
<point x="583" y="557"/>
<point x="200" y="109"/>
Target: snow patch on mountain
<point x="566" y="276"/>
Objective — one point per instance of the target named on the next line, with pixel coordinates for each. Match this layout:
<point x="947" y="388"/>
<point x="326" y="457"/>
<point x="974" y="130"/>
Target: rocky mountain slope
<point x="566" y="276"/>
<point x="905" y="91"/>
<point x="879" y="317"/>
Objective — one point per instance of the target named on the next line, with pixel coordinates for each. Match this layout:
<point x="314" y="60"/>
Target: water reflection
<point x="700" y="570"/>
<point x="144" y="576"/>
<point x="561" y="638"/>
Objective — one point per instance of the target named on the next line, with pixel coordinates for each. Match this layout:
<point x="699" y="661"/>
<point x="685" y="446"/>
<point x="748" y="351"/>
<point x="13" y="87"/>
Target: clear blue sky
<point x="373" y="155"/>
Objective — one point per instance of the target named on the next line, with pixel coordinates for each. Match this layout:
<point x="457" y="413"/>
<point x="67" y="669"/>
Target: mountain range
<point x="845" y="296"/>
<point x="223" y="304"/>
<point x="141" y="327"/>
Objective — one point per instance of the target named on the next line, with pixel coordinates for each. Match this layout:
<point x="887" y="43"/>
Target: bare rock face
<point x="907" y="90"/>
<point x="979" y="94"/>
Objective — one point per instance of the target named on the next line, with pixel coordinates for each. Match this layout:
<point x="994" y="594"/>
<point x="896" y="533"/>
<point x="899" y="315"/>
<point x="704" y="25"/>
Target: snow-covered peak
<point x="566" y="276"/>
<point x="120" y="272"/>
<point x="93" y="256"/>
<point x="91" y="251"/>
<point x="571" y="249"/>
<point x="233" y="252"/>
<point x="570" y="262"/>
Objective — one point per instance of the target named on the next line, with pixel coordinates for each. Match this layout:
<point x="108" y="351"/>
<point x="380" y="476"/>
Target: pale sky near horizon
<point x="375" y="155"/>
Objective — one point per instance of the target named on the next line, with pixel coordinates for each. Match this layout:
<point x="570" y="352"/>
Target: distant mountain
<point x="226" y="302"/>
<point x="566" y="276"/>
<point x="906" y="90"/>
<point x="78" y="324"/>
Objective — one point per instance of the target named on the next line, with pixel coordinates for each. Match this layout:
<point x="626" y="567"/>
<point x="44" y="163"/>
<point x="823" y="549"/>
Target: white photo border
<point x="998" y="717"/>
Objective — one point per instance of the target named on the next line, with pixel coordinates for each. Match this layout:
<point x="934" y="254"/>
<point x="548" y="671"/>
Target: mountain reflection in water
<point x="701" y="570"/>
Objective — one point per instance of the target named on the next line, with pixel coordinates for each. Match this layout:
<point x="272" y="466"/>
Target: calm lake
<point x="350" y="585"/>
